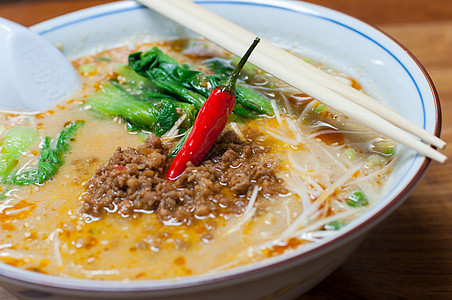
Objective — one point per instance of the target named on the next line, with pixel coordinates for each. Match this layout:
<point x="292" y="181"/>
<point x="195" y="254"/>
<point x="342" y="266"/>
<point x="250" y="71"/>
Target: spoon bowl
<point x="35" y="74"/>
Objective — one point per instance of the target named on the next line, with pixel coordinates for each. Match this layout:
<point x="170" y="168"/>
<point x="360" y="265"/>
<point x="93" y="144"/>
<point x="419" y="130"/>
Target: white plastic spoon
<point x="34" y="74"/>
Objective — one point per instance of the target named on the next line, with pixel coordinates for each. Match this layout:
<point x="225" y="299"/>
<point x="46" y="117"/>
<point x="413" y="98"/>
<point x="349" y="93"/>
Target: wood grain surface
<point x="409" y="255"/>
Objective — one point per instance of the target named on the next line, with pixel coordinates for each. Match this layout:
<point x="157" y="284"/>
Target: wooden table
<point x="409" y="255"/>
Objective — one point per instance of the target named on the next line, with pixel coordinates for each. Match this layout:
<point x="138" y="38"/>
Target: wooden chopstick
<point x="300" y="74"/>
<point x="312" y="72"/>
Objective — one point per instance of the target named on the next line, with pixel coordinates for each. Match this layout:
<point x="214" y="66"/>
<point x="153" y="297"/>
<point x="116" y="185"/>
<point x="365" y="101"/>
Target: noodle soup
<point x="286" y="172"/>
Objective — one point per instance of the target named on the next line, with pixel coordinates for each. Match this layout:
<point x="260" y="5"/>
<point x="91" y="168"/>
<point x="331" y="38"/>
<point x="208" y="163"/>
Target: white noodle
<point x="276" y="111"/>
<point x="313" y="210"/>
<point x="287" y="105"/>
<point x="20" y="255"/>
<point x="262" y="82"/>
<point x="4" y="246"/>
<point x="306" y="110"/>
<point x="322" y="222"/>
<point x="383" y="170"/>
<point x="279" y="136"/>
<point x="299" y="188"/>
<point x="302" y="98"/>
<point x="333" y="159"/>
<point x="54" y="238"/>
<point x="316" y="189"/>
<point x="249" y="212"/>
<point x="325" y="131"/>
<point x="295" y="129"/>
<point x="224" y="266"/>
<point x="12" y="212"/>
<point x="172" y="133"/>
<point x="316" y="236"/>
<point x="338" y="183"/>
<point x="287" y="209"/>
<point x="306" y="233"/>
<point x="299" y="221"/>
<point x="236" y="129"/>
<point x="91" y="273"/>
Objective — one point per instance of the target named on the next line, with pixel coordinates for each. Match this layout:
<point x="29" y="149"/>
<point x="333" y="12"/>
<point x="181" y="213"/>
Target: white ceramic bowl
<point x="387" y="70"/>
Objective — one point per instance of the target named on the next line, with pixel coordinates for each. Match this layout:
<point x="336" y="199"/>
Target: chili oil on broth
<point x="324" y="157"/>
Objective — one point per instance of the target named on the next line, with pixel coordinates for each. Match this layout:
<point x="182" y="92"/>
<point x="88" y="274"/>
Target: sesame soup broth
<point x="330" y="170"/>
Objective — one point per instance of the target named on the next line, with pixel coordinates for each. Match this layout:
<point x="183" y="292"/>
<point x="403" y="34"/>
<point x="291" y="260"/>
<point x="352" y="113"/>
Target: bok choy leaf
<point x="51" y="157"/>
<point x="16" y="140"/>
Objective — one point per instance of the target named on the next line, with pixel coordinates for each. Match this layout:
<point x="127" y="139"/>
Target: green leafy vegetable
<point x="220" y="66"/>
<point x="132" y="78"/>
<point x="334" y="225"/>
<point x="357" y="199"/>
<point x="51" y="158"/>
<point x="87" y="68"/>
<point x="165" y="117"/>
<point x="376" y="160"/>
<point x="157" y="114"/>
<point x="249" y="69"/>
<point x="154" y="91"/>
<point x="193" y="86"/>
<point x="115" y="101"/>
<point x="180" y="92"/>
<point x="384" y="147"/>
<point x="350" y="153"/>
<point x="190" y="112"/>
<point x="254" y="100"/>
<point x="153" y="96"/>
<point x="223" y="67"/>
<point x="320" y="108"/>
<point x="15" y="141"/>
<point x="3" y="194"/>
<point x="103" y="58"/>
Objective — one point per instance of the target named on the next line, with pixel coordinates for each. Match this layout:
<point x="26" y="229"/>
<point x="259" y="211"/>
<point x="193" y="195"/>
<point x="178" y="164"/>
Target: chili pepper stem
<point x="230" y="83"/>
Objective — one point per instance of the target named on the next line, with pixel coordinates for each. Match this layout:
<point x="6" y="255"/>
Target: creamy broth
<point x="324" y="157"/>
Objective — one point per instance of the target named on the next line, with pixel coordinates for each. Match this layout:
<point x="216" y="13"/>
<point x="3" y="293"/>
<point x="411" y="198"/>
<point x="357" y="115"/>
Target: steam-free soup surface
<point x="327" y="171"/>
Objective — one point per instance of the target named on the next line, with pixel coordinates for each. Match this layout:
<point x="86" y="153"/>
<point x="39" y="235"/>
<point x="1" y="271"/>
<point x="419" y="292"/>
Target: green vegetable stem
<point x="157" y="117"/>
<point x="51" y="158"/>
<point x="357" y="199"/>
<point x="15" y="141"/>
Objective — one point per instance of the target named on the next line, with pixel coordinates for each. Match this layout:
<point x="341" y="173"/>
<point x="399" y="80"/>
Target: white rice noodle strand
<point x="54" y="238"/>
<point x="279" y="136"/>
<point x="306" y="110"/>
<point x="338" y="183"/>
<point x="374" y="174"/>
<point x="173" y="132"/>
<point x="332" y="158"/>
<point x="236" y="129"/>
<point x="320" y="223"/>
<point x="276" y="111"/>
<point x="248" y="214"/>
<point x="295" y="129"/>
<point x="287" y="105"/>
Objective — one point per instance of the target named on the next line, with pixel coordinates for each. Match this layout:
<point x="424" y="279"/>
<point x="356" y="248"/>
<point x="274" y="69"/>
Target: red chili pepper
<point x="210" y="122"/>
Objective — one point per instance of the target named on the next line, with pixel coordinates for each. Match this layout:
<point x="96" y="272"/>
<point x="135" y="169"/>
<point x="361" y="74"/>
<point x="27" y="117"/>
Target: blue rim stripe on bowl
<point x="112" y="12"/>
